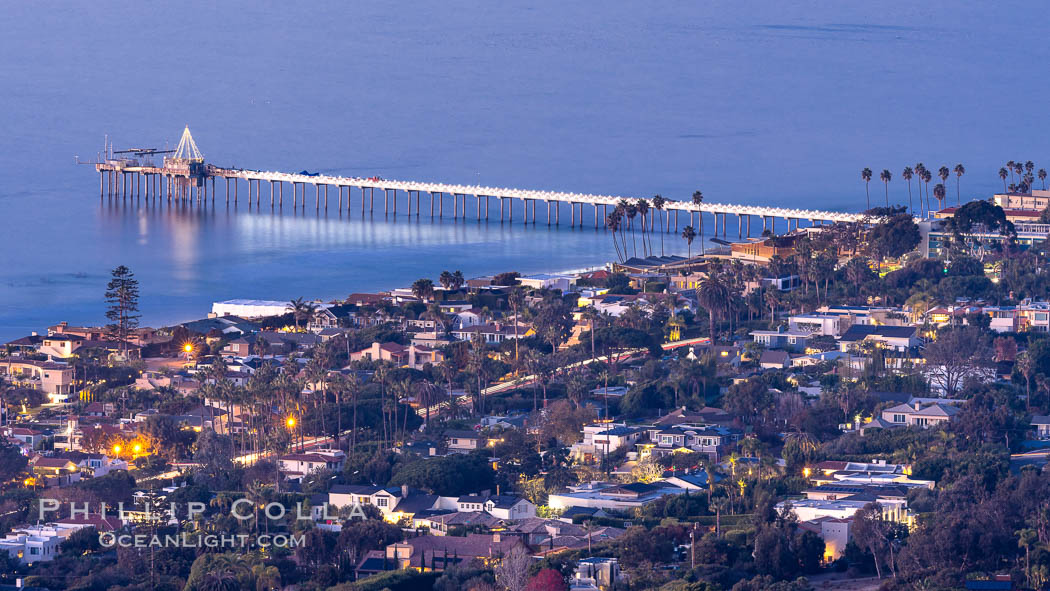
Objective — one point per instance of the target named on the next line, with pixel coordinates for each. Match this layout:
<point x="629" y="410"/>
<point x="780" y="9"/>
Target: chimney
<point x="404" y="491"/>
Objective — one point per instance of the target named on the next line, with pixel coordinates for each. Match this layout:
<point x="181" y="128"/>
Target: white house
<point x="37" y="543"/>
<point x="832" y="325"/>
<point x="301" y="464"/>
<point x="1041" y="425"/>
<point x="920" y="415"/>
<point x="459" y="441"/>
<point x="509" y="507"/>
<point x="548" y="281"/>
<point x="836" y="533"/>
<point x="606" y="495"/>
<point x="600" y="439"/>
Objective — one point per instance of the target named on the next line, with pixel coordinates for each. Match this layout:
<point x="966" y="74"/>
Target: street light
<point x="806" y="472"/>
<point x="117" y="449"/>
<point x="188" y="347"/>
<point x="137" y="448"/>
<point x="290" y="421"/>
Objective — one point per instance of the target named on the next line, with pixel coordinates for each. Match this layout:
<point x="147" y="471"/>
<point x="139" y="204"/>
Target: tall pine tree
<point x="122" y="301"/>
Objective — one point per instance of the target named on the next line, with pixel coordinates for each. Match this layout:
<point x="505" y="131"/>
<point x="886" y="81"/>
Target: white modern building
<point x="608" y="495"/>
<point x="37" y="543"/>
<point x="254" y="308"/>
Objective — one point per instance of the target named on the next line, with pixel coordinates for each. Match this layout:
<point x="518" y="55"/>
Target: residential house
<point x="471" y="317"/>
<point x="920" y="415"/>
<point x="414" y="356"/>
<point x="509" y="507"/>
<point x="50" y="377"/>
<point x="55" y="471"/>
<point x="438" y="521"/>
<point x="36" y="543"/>
<point x="708" y="439"/>
<point x="548" y="281"/>
<point x="836" y="533"/>
<point x="774" y="360"/>
<point x="440" y="552"/>
<point x="140" y="337"/>
<point x="459" y="441"/>
<point x="297" y="465"/>
<point x="832" y="325"/>
<point x="227" y="326"/>
<point x="606" y="495"/>
<point x="395" y="503"/>
<point x="498" y="506"/>
<point x="1041" y="426"/>
<point x="782" y="339"/>
<point x="492" y="333"/>
<point x="898" y="338"/>
<point x="323" y="319"/>
<point x="596" y="573"/>
<point x="601" y="439"/>
<point x="32" y="438"/>
<point x="94" y="464"/>
<point x="60" y="346"/>
<point x="706" y="415"/>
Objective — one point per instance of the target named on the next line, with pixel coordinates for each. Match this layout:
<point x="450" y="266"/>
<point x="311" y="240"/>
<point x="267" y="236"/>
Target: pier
<point x="184" y="177"/>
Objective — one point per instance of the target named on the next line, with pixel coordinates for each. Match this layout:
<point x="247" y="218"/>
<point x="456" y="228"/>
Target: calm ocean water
<point x="760" y="102"/>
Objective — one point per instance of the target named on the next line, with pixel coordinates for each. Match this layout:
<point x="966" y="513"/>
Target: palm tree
<point x="714" y="294"/>
<point x="689" y="234"/>
<point x="920" y="171"/>
<point x="658" y="205"/>
<point x="516" y="299"/>
<point x="632" y="212"/>
<point x="1010" y="167"/>
<point x="302" y="310"/>
<point x="612" y="222"/>
<point x="772" y="299"/>
<point x="719" y="504"/>
<point x="1018" y="168"/>
<point x="427" y="392"/>
<point x="698" y="199"/>
<point x="1042" y="177"/>
<point x="643" y="210"/>
<point x="457" y="279"/>
<point x="445" y="279"/>
<point x="959" y="171"/>
<point x="423" y="289"/>
<point x="1002" y="175"/>
<point x="621" y="209"/>
<point x="927" y="176"/>
<point x="938" y="194"/>
<point x="1025" y="367"/>
<point x="907" y="175"/>
<point x="261" y="346"/>
<point x="866" y="175"/>
<point x="886" y="176"/>
<point x="944" y="173"/>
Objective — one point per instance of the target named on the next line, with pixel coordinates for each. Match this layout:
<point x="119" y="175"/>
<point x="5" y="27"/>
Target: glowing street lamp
<point x="806" y="472"/>
<point x="137" y="448"/>
<point x="117" y="449"/>
<point x="290" y="421"/>
<point x="188" y="347"/>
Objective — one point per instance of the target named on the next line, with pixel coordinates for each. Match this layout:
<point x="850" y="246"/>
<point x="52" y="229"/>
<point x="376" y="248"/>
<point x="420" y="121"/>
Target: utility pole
<point x="692" y="547"/>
